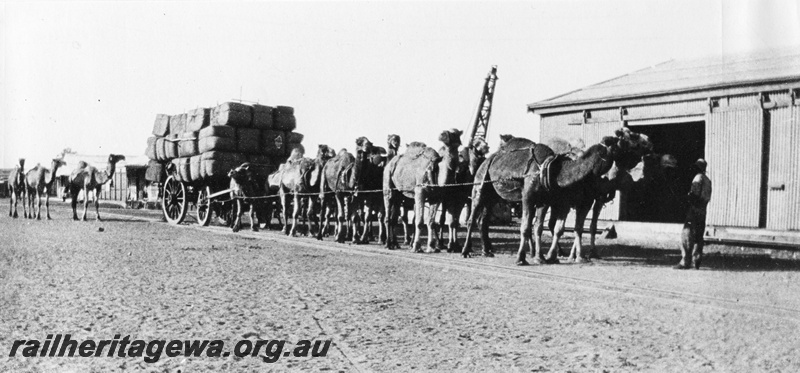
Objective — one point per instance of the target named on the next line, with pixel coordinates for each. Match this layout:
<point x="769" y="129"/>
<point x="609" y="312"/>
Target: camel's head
<point x="114" y="158"/>
<point x="58" y="162"/>
<point x="393" y="141"/>
<point x="628" y="147"/>
<point x="480" y="146"/>
<point x="451" y="138"/>
<point x="241" y="173"/>
<point x="363" y="145"/>
<point x="297" y="153"/>
<point x="325" y="152"/>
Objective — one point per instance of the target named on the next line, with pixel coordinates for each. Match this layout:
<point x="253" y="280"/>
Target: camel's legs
<point x="478" y="205"/>
<point x="39" y="205"/>
<point x="538" y="229"/>
<point x="525" y="227"/>
<point x="253" y="219"/>
<point x="295" y="214"/>
<point x="577" y="247"/>
<point x="85" y="202"/>
<point x="341" y="217"/>
<point x="596" y="209"/>
<point x="285" y="211"/>
<point x="236" y="224"/>
<point x="419" y="218"/>
<point x="74" y="203"/>
<point x="97" y="203"/>
<point x="560" y="213"/>
<point x="47" y="204"/>
<point x="433" y="231"/>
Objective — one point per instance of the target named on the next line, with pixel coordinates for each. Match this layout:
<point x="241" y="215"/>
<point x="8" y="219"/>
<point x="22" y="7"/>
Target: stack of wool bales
<point x="207" y="143"/>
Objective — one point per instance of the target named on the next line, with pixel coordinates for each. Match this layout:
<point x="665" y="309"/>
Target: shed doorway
<point x="658" y="194"/>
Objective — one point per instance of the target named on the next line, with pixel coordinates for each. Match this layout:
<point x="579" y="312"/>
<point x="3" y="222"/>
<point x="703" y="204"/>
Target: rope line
<point x="304" y="194"/>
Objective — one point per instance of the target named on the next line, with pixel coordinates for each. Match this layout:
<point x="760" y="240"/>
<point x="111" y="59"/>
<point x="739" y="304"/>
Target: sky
<point x="92" y="76"/>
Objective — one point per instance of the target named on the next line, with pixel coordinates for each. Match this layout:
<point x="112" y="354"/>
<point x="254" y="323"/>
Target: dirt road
<point x="386" y="311"/>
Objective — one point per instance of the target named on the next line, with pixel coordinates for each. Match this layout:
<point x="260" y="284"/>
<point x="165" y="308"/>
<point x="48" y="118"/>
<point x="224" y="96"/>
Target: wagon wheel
<point x="204" y="206"/>
<point x="174" y="203"/>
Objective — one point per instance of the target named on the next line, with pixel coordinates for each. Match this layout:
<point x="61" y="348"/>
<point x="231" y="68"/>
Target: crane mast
<point x="480" y="125"/>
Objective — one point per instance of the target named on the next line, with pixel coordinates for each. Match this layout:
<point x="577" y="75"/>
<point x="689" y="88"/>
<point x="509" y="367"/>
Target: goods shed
<point x="739" y="112"/>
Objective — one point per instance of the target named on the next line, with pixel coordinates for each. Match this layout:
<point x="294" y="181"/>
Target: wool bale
<point x="262" y="166"/>
<point x="285" y="109"/>
<point x="195" y="164"/>
<point x="219" y="131"/>
<point x="171" y="146"/>
<point x="294" y="137"/>
<point x="262" y="117"/>
<point x="248" y="140"/>
<point x="214" y="143"/>
<point x="273" y="142"/>
<point x="154" y="171"/>
<point x="182" y="169"/>
<point x="217" y="164"/>
<point x="151" y="152"/>
<point x="232" y="114"/>
<point x="161" y="125"/>
<point x="160" y="155"/>
<point x="198" y="119"/>
<point x="177" y="124"/>
<point x="283" y="121"/>
<point x="187" y="144"/>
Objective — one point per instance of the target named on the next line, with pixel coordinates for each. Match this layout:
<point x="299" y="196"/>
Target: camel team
<point x="39" y="181"/>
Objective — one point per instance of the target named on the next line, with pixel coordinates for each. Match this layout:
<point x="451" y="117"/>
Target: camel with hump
<point x="88" y="178"/>
<point x="532" y="173"/>
<point x="418" y="174"/>
<point x="16" y="190"/>
<point x="469" y="159"/>
<point x="591" y="193"/>
<point x="368" y="199"/>
<point x="299" y="178"/>
<point x="39" y="182"/>
<point x="338" y="180"/>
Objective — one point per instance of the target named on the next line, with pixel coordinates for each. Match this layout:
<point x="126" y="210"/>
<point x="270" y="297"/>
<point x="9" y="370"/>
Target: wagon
<point x="207" y="196"/>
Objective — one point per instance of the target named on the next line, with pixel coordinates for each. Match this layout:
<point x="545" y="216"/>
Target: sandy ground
<point x="389" y="311"/>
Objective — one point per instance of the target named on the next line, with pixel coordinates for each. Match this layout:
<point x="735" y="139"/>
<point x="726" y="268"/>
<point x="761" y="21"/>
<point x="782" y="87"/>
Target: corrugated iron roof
<point x="689" y="75"/>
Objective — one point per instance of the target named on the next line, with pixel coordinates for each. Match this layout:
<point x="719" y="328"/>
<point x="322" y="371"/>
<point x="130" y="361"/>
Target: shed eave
<point x="542" y="107"/>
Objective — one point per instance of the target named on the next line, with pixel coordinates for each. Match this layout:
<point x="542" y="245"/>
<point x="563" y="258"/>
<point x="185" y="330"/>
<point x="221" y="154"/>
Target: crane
<point x="479" y="127"/>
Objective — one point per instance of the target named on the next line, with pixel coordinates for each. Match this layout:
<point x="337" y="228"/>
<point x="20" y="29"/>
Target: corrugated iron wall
<point x="733" y="151"/>
<point x="566" y="126"/>
<point x="783" y="194"/>
<point x="667" y="110"/>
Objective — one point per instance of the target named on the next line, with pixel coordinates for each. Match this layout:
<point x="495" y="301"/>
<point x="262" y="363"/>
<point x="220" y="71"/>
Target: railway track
<point x="525" y="273"/>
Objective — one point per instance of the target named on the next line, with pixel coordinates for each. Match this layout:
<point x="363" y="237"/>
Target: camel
<point x="300" y="178"/>
<point x="524" y="171"/>
<point x="370" y="162"/>
<point x="337" y="181"/>
<point x="393" y="142"/>
<point x="415" y="174"/>
<point x="88" y="178"/>
<point x="469" y="159"/>
<point x="244" y="184"/>
<point x="16" y="190"/>
<point x="39" y="181"/>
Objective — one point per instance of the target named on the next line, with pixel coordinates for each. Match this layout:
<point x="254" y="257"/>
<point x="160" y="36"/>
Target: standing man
<point x="695" y="225"/>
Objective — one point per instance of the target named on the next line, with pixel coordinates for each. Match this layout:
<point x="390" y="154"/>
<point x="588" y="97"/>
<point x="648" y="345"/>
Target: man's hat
<point x="701" y="164"/>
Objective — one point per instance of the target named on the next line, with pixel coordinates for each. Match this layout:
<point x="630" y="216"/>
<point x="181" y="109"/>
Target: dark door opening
<point x="660" y="195"/>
